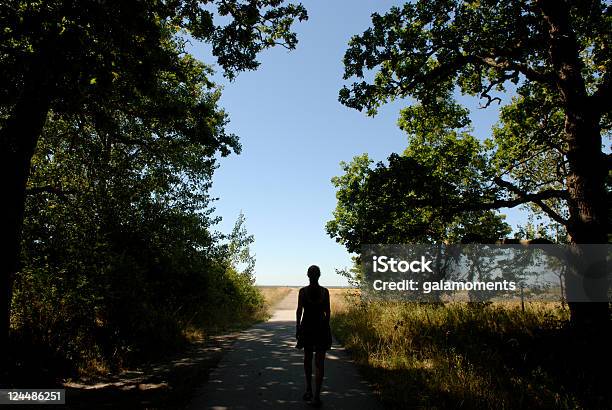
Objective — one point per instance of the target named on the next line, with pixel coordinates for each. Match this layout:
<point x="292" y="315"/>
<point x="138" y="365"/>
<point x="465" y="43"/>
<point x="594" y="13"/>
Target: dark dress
<point x="315" y="333"/>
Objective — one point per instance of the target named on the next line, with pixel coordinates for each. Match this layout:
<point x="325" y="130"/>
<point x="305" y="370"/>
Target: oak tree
<point x="95" y="56"/>
<point x="554" y="55"/>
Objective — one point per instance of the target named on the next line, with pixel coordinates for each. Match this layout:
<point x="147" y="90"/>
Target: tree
<point x="93" y="56"/>
<point x="417" y="197"/>
<point x="239" y="249"/>
<point x="116" y="243"/>
<point x="549" y="144"/>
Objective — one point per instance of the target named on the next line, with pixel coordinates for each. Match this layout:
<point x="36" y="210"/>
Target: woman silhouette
<point x="313" y="332"/>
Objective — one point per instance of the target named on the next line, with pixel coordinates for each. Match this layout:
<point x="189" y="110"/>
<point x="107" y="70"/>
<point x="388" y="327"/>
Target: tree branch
<point x="440" y="71"/>
<point x="523" y="161"/>
<point x="536" y="198"/>
<point x="48" y="189"/>
<point x="601" y="100"/>
<point x="485" y="92"/>
<point x="529" y="72"/>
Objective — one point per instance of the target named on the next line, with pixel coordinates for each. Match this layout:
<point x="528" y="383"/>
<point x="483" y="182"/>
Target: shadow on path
<point x="263" y="369"/>
<point x="161" y="385"/>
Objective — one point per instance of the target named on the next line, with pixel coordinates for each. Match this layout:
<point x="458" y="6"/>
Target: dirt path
<point x="264" y="370"/>
<point x="166" y="384"/>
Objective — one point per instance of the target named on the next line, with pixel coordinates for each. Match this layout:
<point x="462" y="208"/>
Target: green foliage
<point x="418" y="197"/>
<point x="119" y="257"/>
<point x="118" y="251"/>
<point x="428" y="50"/>
<point x="529" y="147"/>
<point x="239" y="249"/>
<point x="92" y="48"/>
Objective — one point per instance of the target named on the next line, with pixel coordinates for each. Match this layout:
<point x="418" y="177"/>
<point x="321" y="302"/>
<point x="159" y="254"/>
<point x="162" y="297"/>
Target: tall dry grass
<point x="467" y="356"/>
<point x="339" y="298"/>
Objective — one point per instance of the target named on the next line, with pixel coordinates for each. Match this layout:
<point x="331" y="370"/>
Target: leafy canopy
<point x="417" y="197"/>
<point x="94" y="51"/>
<point x="430" y="50"/>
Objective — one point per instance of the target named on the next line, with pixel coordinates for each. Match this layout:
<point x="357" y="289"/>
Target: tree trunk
<point x="18" y="138"/>
<point x="587" y="170"/>
<point x="588" y="216"/>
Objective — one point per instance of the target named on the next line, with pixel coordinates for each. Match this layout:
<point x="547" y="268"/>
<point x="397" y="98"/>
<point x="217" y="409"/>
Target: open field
<point x="274" y="294"/>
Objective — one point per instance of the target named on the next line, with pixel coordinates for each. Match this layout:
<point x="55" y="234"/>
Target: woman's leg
<point x="319" y="372"/>
<point x="308" y="370"/>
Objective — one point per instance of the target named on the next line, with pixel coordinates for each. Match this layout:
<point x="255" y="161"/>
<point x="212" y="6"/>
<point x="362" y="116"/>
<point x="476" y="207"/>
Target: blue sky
<point x="294" y="133"/>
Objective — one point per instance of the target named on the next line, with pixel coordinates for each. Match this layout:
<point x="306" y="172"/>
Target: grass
<point x="469" y="356"/>
<point x="274" y="294"/>
<point x="340" y="298"/>
<point x="35" y="360"/>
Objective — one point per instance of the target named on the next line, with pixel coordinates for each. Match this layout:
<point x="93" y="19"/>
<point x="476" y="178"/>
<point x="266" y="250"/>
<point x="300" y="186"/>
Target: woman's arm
<point x="298" y="312"/>
<point x="327" y="308"/>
